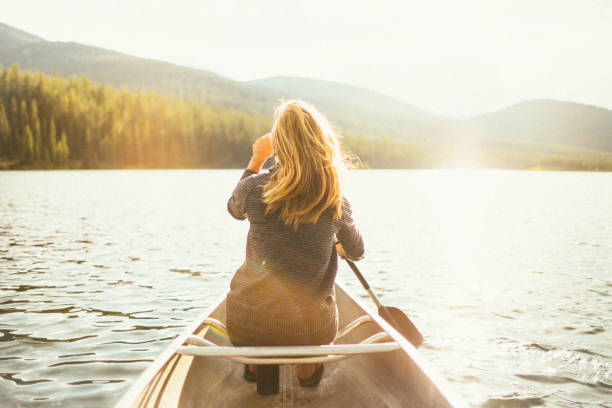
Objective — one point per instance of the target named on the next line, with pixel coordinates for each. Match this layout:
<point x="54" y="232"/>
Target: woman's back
<point x="283" y="292"/>
<point x="284" y="289"/>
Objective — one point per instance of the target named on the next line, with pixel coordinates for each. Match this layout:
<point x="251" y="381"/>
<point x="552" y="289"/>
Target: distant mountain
<point x="357" y="109"/>
<point x="13" y="37"/>
<point x="549" y="121"/>
<point x="354" y="109"/>
<point x="113" y="68"/>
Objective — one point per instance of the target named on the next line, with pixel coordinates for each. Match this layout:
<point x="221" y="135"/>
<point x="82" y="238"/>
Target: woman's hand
<point x="340" y="250"/>
<point x="262" y="149"/>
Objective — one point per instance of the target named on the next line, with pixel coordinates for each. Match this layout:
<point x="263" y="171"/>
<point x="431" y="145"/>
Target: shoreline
<point x="530" y="169"/>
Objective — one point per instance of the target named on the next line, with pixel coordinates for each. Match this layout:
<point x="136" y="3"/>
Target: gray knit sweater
<point x="283" y="294"/>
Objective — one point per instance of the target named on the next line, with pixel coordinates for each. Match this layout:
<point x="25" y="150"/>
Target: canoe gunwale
<point x="147" y="376"/>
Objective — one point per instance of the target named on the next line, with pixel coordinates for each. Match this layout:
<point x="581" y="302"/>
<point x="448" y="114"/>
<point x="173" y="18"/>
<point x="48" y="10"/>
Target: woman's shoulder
<point x="346" y="205"/>
<point x="248" y="184"/>
<point x="251" y="177"/>
<point x="244" y="192"/>
<point x="346" y="216"/>
<point x="258" y="179"/>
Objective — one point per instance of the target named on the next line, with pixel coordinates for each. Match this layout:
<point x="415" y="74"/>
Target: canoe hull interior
<point x="390" y="379"/>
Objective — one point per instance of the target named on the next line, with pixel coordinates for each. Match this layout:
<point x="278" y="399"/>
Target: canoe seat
<point x="268" y="359"/>
<point x="198" y="346"/>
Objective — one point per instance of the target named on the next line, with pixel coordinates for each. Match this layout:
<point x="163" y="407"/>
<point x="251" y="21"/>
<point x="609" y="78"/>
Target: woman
<point x="283" y="294"/>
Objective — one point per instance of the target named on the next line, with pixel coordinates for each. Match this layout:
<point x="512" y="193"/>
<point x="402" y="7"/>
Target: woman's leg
<point x="310" y="374"/>
<point x="250" y="370"/>
<point x="305" y="371"/>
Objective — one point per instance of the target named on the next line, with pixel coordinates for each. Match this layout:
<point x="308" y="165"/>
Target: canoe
<point x="200" y="368"/>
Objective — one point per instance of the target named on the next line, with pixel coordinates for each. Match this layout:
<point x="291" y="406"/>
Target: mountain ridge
<point x="118" y="69"/>
<point x="398" y="118"/>
<point x="17" y="34"/>
<point x="549" y="120"/>
<point x="547" y="126"/>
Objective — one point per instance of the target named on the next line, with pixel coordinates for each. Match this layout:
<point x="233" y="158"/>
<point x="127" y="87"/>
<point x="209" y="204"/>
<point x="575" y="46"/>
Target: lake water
<point x="508" y="274"/>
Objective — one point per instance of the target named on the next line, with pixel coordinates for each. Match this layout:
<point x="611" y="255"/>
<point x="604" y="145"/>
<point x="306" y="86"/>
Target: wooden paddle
<point x="392" y="315"/>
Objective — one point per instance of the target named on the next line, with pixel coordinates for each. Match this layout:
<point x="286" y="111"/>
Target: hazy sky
<point x="451" y="57"/>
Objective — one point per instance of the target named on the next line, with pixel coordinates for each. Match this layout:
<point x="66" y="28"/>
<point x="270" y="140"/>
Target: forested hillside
<point x="50" y="122"/>
<point x="54" y="122"/>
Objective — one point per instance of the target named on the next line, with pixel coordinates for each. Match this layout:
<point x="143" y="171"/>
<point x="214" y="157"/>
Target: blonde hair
<point x="311" y="166"/>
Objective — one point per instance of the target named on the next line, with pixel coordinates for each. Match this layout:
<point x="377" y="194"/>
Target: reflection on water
<point x="508" y="275"/>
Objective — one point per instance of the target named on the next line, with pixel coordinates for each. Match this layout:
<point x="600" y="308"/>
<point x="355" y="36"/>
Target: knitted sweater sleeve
<point x="236" y="205"/>
<point x="348" y="235"/>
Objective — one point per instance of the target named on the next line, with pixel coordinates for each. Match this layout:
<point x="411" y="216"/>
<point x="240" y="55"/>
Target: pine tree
<point x="14" y="141"/>
<point x="24" y="117"/>
<point x="62" y="151"/>
<point x="87" y="149"/>
<point x="35" y="123"/>
<point x="13" y="78"/>
<point x="5" y="132"/>
<point x="51" y="141"/>
<point x="28" y="151"/>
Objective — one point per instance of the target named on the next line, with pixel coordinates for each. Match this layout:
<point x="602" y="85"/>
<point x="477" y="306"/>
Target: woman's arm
<point x="349" y="237"/>
<point x="262" y="149"/>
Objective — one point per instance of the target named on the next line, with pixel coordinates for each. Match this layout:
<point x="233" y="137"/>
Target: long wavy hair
<point x="311" y="166"/>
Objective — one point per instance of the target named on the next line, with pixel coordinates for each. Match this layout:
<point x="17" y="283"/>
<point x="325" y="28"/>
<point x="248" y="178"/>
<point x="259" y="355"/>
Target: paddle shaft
<point x="364" y="283"/>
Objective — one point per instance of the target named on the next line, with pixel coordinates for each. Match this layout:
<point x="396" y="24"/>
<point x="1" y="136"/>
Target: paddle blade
<point x="402" y="324"/>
